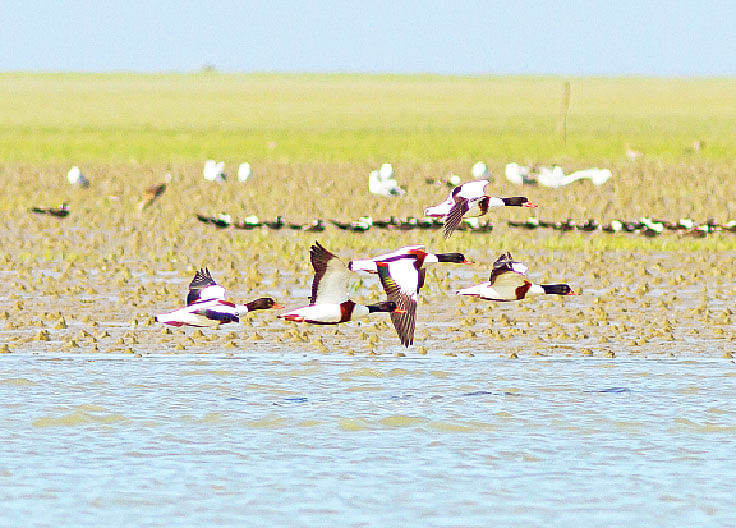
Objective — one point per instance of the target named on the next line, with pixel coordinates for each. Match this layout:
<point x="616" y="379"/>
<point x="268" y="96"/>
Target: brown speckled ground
<point x="93" y="281"/>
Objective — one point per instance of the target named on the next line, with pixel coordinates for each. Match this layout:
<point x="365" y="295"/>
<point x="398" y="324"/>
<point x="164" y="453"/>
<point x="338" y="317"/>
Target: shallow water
<point x="184" y="440"/>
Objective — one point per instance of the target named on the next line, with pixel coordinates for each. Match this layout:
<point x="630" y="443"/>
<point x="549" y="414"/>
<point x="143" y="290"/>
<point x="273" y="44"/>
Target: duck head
<point x="386" y="306"/>
<point x="264" y="303"/>
<point x="517" y="201"/>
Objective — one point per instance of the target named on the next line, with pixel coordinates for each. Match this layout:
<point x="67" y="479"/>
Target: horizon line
<point x="214" y="71"/>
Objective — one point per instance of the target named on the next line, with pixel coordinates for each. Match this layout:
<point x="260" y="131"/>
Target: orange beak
<point x="277" y="307"/>
<point x="572" y="292"/>
<point x="399" y="310"/>
<point x="468" y="262"/>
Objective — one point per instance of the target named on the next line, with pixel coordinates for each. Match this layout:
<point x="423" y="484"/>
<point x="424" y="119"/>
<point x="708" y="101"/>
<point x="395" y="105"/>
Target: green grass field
<point x="313" y="139"/>
<point x="358" y="118"/>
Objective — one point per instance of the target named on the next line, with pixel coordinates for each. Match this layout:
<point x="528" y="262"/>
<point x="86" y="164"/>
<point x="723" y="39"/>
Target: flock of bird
<point x="401" y="274"/>
<point x="644" y="226"/>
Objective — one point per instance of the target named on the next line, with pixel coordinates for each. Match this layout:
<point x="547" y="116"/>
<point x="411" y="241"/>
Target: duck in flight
<point x="415" y="254"/>
<point x="402" y="275"/>
<point x="471" y="199"/>
<point x="207" y="305"/>
<point x="330" y="303"/>
<point x="508" y="282"/>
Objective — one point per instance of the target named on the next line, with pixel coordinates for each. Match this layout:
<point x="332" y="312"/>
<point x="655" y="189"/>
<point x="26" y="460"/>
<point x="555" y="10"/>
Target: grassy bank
<point x="338" y="118"/>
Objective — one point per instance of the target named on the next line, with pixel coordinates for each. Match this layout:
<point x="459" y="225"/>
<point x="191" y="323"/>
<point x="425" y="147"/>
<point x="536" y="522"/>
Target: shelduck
<point x="402" y="275"/>
<point x="249" y="222"/>
<point x="207" y="305"/>
<point x="416" y="255"/>
<point x="508" y="282"/>
<point x="61" y="212"/>
<point x="330" y="303"/>
<point x="471" y="199"/>
<point x="278" y="223"/>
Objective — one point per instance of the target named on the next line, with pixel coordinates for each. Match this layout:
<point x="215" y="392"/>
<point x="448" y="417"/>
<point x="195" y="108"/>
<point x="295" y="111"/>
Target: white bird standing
<point x="75" y="177"/>
<point x="214" y="170"/>
<point x="206" y="305"/>
<point x="480" y="170"/>
<point x="244" y="172"/>
<point x="382" y="182"/>
<point x="330" y="302"/>
<point x="509" y="283"/>
<point x="471" y="199"/>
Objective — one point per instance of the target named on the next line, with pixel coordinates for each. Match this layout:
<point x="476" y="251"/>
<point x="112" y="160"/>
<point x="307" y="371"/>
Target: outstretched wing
<point x="401" y="281"/>
<point x="203" y="286"/>
<point x="399" y="253"/>
<point x="455" y="216"/>
<point x="222" y="316"/>
<point x="472" y="190"/>
<point x="330" y="283"/>
<point x="370" y="265"/>
<point x="507" y="282"/>
<point x="505" y="264"/>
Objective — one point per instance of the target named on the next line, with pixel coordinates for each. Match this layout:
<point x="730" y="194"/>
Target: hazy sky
<point x="613" y="37"/>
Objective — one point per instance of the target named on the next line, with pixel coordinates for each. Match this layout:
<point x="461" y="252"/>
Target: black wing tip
<point x="202" y="278"/>
<point x="318" y="249"/>
<point x="448" y="230"/>
<point x="504" y="260"/>
<point x="405" y="323"/>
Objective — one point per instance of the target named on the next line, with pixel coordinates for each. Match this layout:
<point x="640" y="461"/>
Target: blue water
<point x="286" y="441"/>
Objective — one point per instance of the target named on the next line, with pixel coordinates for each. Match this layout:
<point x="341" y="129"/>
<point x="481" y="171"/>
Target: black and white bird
<point x="471" y="199"/>
<point x="508" y="282"/>
<point x="402" y="275"/>
<point x="330" y="303"/>
<point x="207" y="305"/>
<point x="60" y="212"/>
<point x="415" y="254"/>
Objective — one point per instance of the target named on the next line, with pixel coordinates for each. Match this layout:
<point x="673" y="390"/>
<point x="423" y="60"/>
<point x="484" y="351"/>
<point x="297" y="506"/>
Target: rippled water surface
<point x="436" y="441"/>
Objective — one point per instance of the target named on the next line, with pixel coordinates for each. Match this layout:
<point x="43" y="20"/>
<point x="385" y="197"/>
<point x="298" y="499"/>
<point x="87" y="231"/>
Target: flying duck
<point x="402" y="276"/>
<point x="508" y="283"/>
<point x="330" y="303"/>
<point x="206" y="305"/>
<point x="471" y="199"/>
<point x="415" y="254"/>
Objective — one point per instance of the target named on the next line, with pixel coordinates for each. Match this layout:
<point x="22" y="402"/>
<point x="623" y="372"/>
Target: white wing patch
<point x="473" y="190"/>
<point x="506" y="284"/>
<point x="398" y="253"/>
<point x="213" y="292"/>
<point x="406" y="276"/>
<point x="333" y="286"/>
